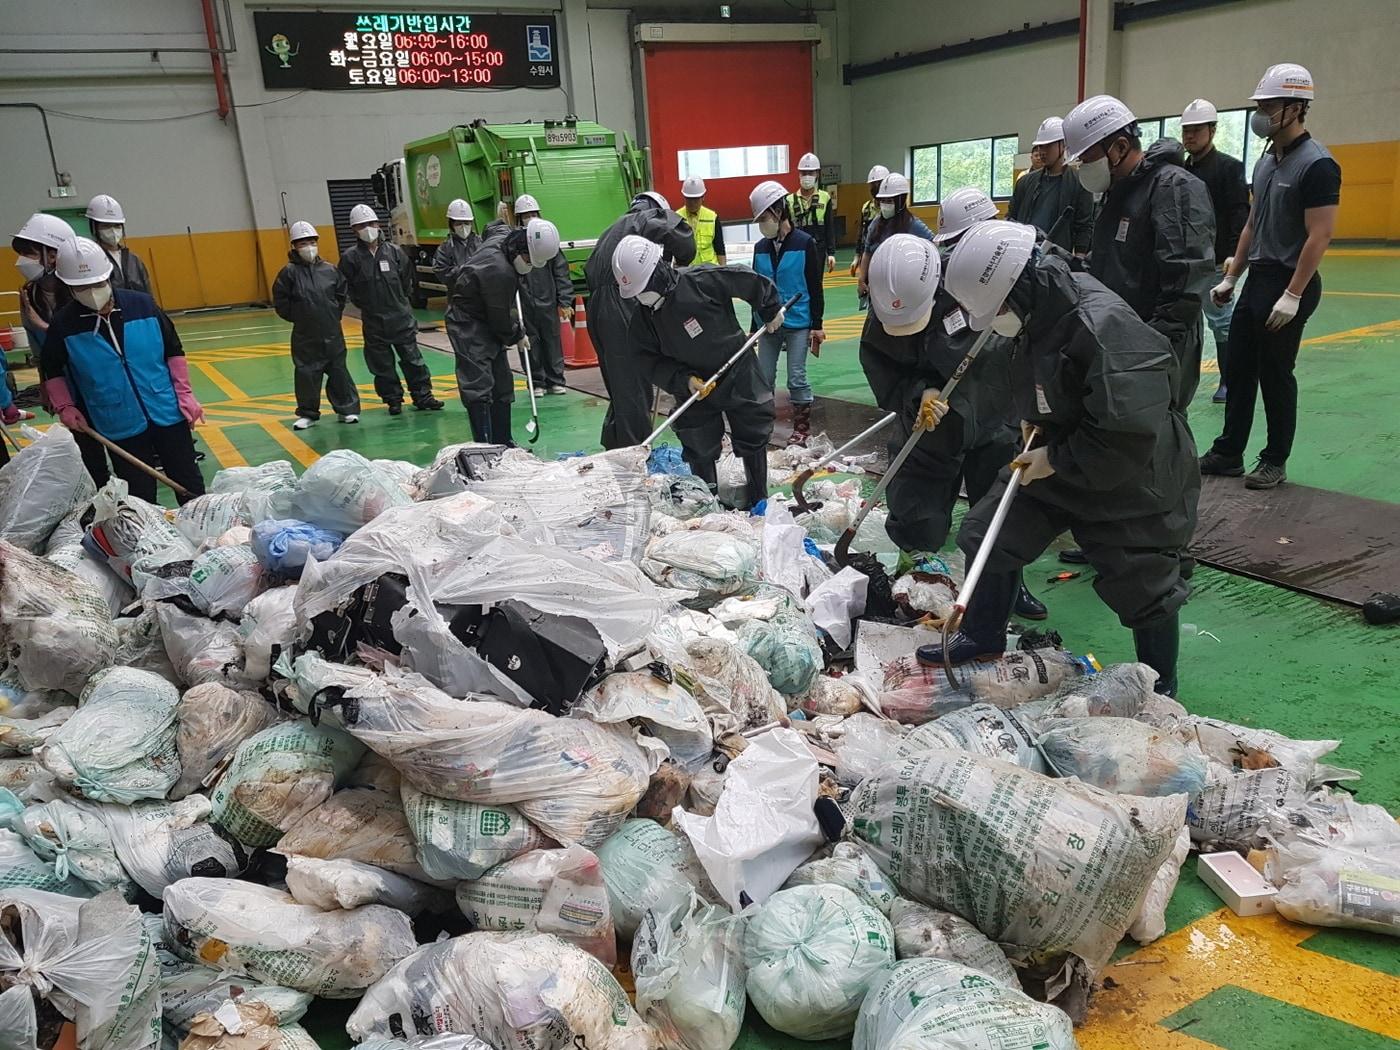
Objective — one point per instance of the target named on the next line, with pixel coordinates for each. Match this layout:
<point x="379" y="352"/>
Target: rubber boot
<point x="983" y="631"/>
<point x="755" y="479"/>
<point x="1028" y="606"/>
<point x="1157" y="647"/>
<point x="801" y="424"/>
<point x="479" y="416"/>
<point x="500" y="424"/>
<point x="708" y="473"/>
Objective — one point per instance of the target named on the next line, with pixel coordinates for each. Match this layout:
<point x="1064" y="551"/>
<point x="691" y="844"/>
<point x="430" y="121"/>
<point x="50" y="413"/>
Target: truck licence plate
<point x="561" y="137"/>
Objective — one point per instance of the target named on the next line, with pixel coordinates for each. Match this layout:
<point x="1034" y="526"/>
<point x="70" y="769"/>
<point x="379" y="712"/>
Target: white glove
<point x="1035" y="464"/>
<point x="1223" y="292"/>
<point x="831" y="264"/>
<point x="776" y="323"/>
<point x="1283" y="312"/>
<point x="932" y="409"/>
<point x="524" y="345"/>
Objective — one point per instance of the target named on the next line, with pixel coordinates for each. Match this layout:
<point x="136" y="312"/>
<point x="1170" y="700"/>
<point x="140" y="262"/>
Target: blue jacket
<point x="6" y="399"/>
<point x="116" y="366"/>
<point x="796" y="268"/>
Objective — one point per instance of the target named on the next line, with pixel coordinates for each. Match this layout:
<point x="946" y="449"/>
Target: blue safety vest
<point x="791" y="275"/>
<point x="124" y="391"/>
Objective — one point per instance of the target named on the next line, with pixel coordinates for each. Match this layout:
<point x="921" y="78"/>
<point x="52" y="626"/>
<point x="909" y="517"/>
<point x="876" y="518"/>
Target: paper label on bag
<point x="692" y="327"/>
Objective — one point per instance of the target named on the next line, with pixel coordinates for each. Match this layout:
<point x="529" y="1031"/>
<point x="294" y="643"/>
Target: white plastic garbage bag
<point x="200" y="649"/>
<point x="1338" y="885"/>
<point x="364" y="824"/>
<point x="932" y="1004"/>
<point x="866" y="742"/>
<point x="266" y="934"/>
<point x="1046" y="868"/>
<point x="514" y="992"/>
<point x="461" y="840"/>
<point x="117" y="592"/>
<point x="268" y="626"/>
<point x="344" y="884"/>
<point x="914" y="694"/>
<point x="981" y="729"/>
<point x="55" y="629"/>
<point x="437" y="1042"/>
<point x="660" y="703"/>
<point x="141" y="645"/>
<point x="279" y="774"/>
<point x="225" y="579"/>
<point x="688" y="965"/>
<point x="212" y="720"/>
<point x="1151" y="920"/>
<point x="813" y="953"/>
<point x="1331" y="817"/>
<point x="119" y="746"/>
<point x="558" y="891"/>
<point x="647" y="868"/>
<point x="763" y="826"/>
<point x="208" y="517"/>
<point x="90" y="960"/>
<point x="1119" y="690"/>
<point x="732" y="688"/>
<point x="848" y="866"/>
<point x="841" y="697"/>
<point x="267" y="489"/>
<point x="133" y="536"/>
<point x="27" y="724"/>
<point x="21" y="868"/>
<point x="1123" y="755"/>
<point x="713" y="564"/>
<point x="40" y="485"/>
<point x="834" y="603"/>
<point x="72" y="836"/>
<point x="342" y="491"/>
<point x="921" y="932"/>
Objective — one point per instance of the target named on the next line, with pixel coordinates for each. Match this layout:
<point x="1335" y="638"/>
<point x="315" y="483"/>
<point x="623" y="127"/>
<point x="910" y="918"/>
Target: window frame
<point x="1253" y="147"/>
<point x="937" y="147"/>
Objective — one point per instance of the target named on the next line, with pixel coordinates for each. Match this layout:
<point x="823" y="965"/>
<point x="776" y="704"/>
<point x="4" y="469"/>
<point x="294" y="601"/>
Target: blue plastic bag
<point x="283" y="546"/>
<point x="666" y="459"/>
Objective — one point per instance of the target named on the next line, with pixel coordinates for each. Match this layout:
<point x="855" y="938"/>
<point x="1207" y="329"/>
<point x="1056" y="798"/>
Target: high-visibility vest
<point x="703" y="223"/>
<point x="810" y="214"/>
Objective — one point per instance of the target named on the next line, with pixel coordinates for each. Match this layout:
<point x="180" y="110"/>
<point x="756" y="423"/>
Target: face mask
<point x="1264" y="125"/>
<point x="111" y="235"/>
<point x="462" y="229"/>
<point x="1007" y="324"/>
<point x="368" y="234"/>
<point x="32" y="269"/>
<point x="307" y="252"/>
<point x="95" y="297"/>
<point x="768" y="227"/>
<point x="1095" y="176"/>
<point x="651" y="299"/>
<point x="807" y="182"/>
<point x="522" y="265"/>
<point x="887" y="209"/>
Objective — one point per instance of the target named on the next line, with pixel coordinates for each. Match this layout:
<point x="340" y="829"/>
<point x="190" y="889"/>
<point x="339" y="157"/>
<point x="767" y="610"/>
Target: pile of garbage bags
<point x="458" y="742"/>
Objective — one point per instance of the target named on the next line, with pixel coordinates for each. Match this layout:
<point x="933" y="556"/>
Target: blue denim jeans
<point x="1218" y="318"/>
<point x="796" y="342"/>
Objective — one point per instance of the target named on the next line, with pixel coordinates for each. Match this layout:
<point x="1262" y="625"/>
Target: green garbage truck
<point x="583" y="174"/>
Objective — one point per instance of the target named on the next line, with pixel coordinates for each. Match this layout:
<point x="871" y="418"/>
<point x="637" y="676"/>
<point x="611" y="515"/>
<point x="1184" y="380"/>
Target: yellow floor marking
<point x="1369" y="253"/>
<point x="223" y="449"/>
<point x="1368" y="295"/>
<point x="1353" y="334"/>
<point x="295" y="446"/>
<point x="217" y="378"/>
<point x="1261" y="954"/>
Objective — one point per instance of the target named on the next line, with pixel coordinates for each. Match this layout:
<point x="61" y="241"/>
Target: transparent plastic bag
<point x="921" y="932"/>
<point x="714" y="564"/>
<point x="647" y="868"/>
<point x="133" y="537"/>
<point x="1338" y="886"/>
<point x="342" y="491"/>
<point x="116" y="591"/>
<point x="212" y="721"/>
<point x="40" y="485"/>
<point x="915" y="694"/>
<point x="208" y="517"/>
<point x="866" y="742"/>
<point x="688" y="965"/>
<point x="1123" y="755"/>
<point x="269" y="625"/>
<point x="344" y="884"/>
<point x="663" y="705"/>
<point x="21" y="868"/>
<point x="1118" y="691"/>
<point x="461" y="840"/>
<point x="852" y="868"/>
<point x="72" y="836"/>
<point x="979" y="730"/>
<point x="201" y="650"/>
<point x="364" y="824"/>
<point x="225" y="579"/>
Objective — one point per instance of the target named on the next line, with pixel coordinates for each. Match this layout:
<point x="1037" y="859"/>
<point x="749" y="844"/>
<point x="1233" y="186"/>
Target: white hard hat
<point x="961" y="210"/>
<point x="894" y="185"/>
<point x="1092" y="121"/>
<point x="877" y="173"/>
<point x="764" y="196"/>
<point x="103" y="208"/>
<point x="903" y="281"/>
<point x="984" y="266"/>
<point x="459" y="211"/>
<point x="302" y="230"/>
<point x="526" y="203"/>
<point x="82" y="262"/>
<point x="809" y="162"/>
<point x="634" y="261"/>
<point x="1051" y="130"/>
<point x="693" y="187"/>
<point x="361" y="214"/>
<point x="45" y="229"/>
<point x="654" y="197"/>
<point x="1285" y="80"/>
<point x="1199" y="111"/>
<point x="543" y="239"/>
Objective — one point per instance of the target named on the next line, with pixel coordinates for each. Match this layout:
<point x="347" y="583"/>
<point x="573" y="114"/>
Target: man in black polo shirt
<point x="1224" y="178"/>
<point x="1297" y="186"/>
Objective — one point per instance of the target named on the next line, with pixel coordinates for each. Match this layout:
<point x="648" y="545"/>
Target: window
<point x="1231" y="135"/>
<point x="984" y="163"/>
<point x="733" y="162"/>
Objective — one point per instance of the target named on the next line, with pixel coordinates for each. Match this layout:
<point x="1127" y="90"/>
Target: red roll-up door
<point x="716" y="96"/>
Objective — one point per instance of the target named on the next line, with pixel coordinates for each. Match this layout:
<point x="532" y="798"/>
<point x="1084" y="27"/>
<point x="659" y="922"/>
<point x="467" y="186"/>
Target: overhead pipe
<point x="216" y="58"/>
<point x="1125" y="14"/>
<point x="982" y="45"/>
<point x="44" y="117"/>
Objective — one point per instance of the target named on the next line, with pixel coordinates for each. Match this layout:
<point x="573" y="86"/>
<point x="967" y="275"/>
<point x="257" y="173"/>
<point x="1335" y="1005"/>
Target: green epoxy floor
<point x="1301" y="666"/>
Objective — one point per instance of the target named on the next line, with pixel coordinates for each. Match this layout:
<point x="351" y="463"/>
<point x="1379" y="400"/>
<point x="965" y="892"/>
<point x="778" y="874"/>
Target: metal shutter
<point x="345" y="194"/>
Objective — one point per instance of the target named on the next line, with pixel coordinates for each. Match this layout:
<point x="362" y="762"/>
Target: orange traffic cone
<point x="583" y="355"/>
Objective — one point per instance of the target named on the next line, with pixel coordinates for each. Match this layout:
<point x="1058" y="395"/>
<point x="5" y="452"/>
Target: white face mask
<point x="807" y="182"/>
<point x="94" y="297"/>
<point x="111" y="235"/>
<point x="32" y="269"/>
<point x="1007" y="324"/>
<point x="1095" y="175"/>
<point x="307" y="252"/>
<point x="368" y="234"/>
<point x="651" y="299"/>
<point x="522" y="265"/>
<point x="768" y="227"/>
<point x="462" y="229"/>
<point x="887" y="209"/>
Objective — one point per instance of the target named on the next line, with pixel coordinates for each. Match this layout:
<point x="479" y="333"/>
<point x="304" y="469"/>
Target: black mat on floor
<point x="1326" y="544"/>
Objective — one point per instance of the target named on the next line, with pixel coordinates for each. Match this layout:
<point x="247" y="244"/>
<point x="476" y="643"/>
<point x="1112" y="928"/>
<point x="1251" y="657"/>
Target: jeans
<point x="1218" y="318"/>
<point x="796" y="342"/>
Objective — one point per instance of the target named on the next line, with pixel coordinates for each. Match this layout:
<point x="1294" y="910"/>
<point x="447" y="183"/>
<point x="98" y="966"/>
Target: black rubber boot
<point x="500" y="424"/>
<point x="1073" y="556"/>
<point x="479" y="416"/>
<point x="755" y="479"/>
<point x="1157" y="647"/>
<point x="983" y="630"/>
<point x="708" y="473"/>
<point x="1028" y="606"/>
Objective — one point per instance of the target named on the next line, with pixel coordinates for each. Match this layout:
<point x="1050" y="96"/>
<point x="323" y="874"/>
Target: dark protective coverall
<point x="1061" y="196"/>
<point x="128" y="271"/>
<point x="1099" y="382"/>
<point x="481" y="323"/>
<point x="312" y="297"/>
<point x="973" y="441"/>
<point x="379" y="278"/>
<point x="628" y="420"/>
<point x="1154" y="244"/>
<point x="451" y="254"/>
<point x="693" y="332"/>
<point x="543" y="291"/>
